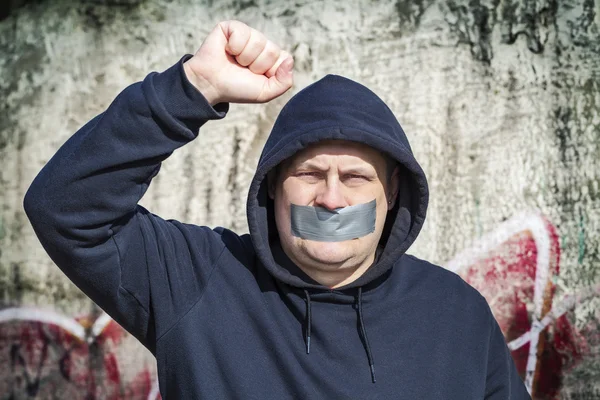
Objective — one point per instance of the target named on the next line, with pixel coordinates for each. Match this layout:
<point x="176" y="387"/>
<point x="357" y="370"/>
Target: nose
<point x="331" y="196"/>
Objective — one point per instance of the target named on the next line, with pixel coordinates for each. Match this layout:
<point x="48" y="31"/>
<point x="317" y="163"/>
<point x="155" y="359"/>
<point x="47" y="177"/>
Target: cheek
<point x="282" y="201"/>
<point x="382" y="210"/>
<point x="282" y="217"/>
<point x="295" y="192"/>
<point x="374" y="190"/>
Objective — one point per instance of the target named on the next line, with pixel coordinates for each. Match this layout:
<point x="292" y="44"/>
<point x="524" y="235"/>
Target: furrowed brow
<point x="311" y="165"/>
<point x="358" y="170"/>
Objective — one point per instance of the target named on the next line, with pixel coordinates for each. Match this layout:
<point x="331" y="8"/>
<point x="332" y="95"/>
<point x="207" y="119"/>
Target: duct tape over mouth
<point x="323" y="225"/>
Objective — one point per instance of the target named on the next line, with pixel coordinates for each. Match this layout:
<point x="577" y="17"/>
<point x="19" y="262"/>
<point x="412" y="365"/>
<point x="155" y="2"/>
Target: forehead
<point x="340" y="150"/>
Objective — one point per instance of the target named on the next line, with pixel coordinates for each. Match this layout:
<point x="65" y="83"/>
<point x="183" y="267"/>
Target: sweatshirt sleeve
<point x="145" y="272"/>
<point x="503" y="381"/>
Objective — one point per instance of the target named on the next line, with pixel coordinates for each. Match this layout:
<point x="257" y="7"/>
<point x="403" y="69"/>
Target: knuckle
<point x="258" y="44"/>
<point x="236" y="23"/>
<point x="272" y="51"/>
<point x="257" y="36"/>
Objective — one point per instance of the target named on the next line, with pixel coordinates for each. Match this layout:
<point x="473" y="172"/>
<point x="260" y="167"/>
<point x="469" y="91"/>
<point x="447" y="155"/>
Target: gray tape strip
<point x="321" y="224"/>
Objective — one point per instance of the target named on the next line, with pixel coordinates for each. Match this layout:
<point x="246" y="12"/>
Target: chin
<point x="330" y="252"/>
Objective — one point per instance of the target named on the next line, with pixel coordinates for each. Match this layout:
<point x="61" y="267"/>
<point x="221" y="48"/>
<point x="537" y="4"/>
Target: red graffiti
<point x="514" y="269"/>
<point x="51" y="358"/>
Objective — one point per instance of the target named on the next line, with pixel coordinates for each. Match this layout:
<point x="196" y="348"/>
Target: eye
<point x="307" y="173"/>
<point x="356" y="177"/>
<point x="310" y="176"/>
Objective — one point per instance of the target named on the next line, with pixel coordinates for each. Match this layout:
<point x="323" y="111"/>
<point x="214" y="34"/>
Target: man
<point x="320" y="299"/>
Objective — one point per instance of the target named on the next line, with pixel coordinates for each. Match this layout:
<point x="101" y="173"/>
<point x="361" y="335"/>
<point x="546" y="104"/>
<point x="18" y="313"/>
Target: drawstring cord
<point x="308" y="321"/>
<point x="364" y="334"/>
<point x="360" y="321"/>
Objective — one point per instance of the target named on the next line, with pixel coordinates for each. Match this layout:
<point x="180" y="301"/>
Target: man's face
<point x="332" y="174"/>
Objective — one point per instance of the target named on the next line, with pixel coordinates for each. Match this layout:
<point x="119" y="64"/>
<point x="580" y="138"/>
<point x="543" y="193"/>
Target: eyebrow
<point x="359" y="170"/>
<point x="354" y="169"/>
<point x="310" y="165"/>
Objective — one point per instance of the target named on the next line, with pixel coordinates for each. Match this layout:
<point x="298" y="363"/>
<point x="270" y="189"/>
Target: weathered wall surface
<point x="500" y="100"/>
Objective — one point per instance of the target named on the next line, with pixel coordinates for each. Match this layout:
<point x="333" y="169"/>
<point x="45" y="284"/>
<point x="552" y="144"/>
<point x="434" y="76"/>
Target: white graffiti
<point x="534" y="223"/>
<point x="52" y="317"/>
<point x="70" y="325"/>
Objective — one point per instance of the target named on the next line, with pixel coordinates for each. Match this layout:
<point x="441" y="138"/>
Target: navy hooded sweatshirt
<point x="230" y="316"/>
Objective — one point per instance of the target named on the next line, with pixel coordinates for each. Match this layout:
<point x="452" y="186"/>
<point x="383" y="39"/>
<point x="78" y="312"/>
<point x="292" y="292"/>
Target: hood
<point x="336" y="107"/>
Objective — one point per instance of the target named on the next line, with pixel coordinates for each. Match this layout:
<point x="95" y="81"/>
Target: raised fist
<point x="238" y="64"/>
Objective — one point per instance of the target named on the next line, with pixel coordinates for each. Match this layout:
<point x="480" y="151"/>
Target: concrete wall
<point x="501" y="103"/>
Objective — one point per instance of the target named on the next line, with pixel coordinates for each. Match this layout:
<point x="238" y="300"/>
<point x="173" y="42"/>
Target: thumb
<point x="285" y="73"/>
<point x="283" y="79"/>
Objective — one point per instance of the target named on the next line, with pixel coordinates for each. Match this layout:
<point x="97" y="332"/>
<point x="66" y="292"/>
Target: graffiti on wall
<point x="48" y="355"/>
<point x="514" y="268"/>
